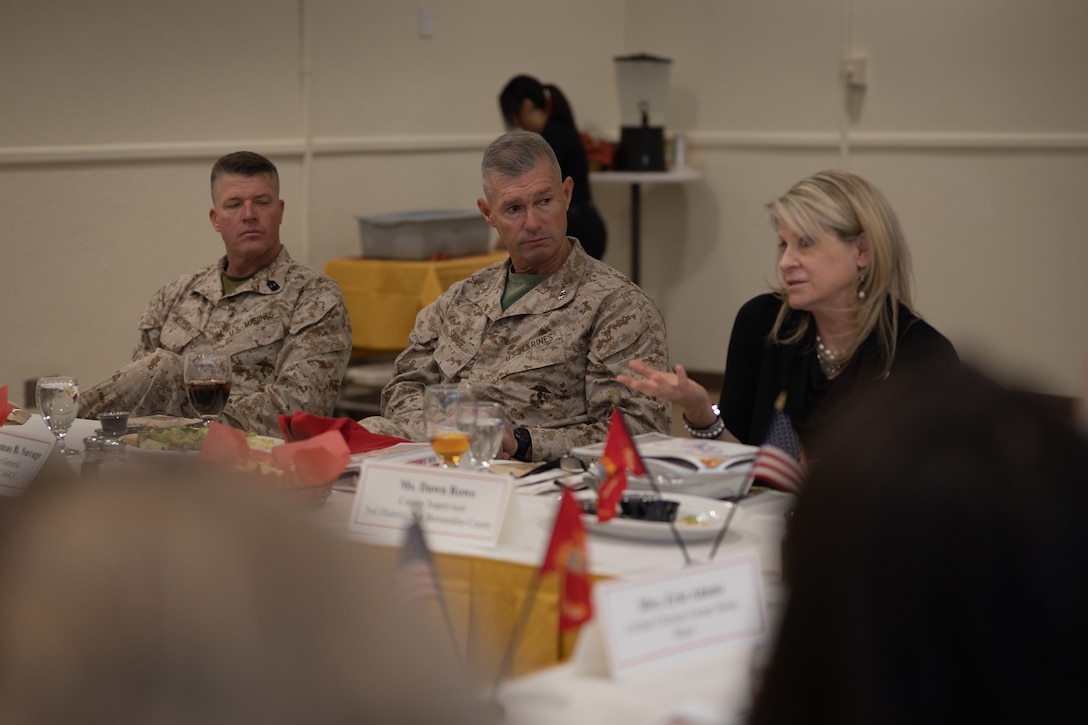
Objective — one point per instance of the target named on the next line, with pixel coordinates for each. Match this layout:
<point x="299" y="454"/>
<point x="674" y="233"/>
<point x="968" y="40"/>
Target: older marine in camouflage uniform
<point x="284" y="325"/>
<point x="543" y="333"/>
<point x="550" y="359"/>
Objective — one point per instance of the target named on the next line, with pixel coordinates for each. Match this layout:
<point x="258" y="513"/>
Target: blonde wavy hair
<point x="848" y="206"/>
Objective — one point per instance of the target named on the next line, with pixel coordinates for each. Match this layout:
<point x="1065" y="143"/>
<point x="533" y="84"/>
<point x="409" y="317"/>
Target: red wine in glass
<point x="209" y="397"/>
<point x="208" y="382"/>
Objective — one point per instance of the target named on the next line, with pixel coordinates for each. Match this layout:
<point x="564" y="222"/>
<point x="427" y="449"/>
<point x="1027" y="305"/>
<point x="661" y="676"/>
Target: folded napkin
<point x="315" y="460"/>
<point x="301" y="426"/>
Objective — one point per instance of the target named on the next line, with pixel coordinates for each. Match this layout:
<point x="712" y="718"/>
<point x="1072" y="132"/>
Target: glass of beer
<point x="208" y="379"/>
<point x="450" y="418"/>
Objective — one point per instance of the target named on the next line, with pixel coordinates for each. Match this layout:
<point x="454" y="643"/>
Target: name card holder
<point x="668" y="618"/>
<point x="456" y="506"/>
<point x="21" y="456"/>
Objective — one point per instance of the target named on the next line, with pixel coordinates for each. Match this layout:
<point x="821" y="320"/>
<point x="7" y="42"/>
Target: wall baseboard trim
<point x="210" y="150"/>
<point x="1062" y="406"/>
<point x="885" y="141"/>
<point x="712" y="381"/>
<point x="433" y="143"/>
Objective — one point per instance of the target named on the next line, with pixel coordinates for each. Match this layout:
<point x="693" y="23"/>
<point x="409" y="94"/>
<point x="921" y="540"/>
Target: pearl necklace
<point x="827" y="357"/>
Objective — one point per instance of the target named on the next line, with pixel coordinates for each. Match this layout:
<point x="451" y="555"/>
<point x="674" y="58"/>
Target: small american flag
<point x="780" y="462"/>
<point x="417" y="578"/>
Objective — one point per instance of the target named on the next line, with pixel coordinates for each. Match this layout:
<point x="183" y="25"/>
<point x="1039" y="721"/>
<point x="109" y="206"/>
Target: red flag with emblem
<point x="620" y="458"/>
<point x="566" y="555"/>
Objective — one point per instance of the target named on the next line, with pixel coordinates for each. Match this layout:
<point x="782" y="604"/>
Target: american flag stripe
<point x="779" y="469"/>
<point x="416" y="574"/>
<point x="417" y="582"/>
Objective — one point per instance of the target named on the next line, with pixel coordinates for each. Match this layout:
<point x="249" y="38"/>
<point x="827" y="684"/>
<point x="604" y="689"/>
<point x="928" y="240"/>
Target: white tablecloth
<point x="715" y="688"/>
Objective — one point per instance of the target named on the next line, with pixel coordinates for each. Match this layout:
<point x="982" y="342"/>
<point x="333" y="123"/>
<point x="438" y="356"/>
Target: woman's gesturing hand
<point x="676" y="387"/>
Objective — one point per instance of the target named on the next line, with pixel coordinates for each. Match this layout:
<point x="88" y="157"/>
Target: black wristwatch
<point x="525" y="442"/>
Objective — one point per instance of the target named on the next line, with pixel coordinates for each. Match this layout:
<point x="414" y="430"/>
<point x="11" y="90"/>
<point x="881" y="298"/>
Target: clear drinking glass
<point x="58" y="403"/>
<point x="208" y="381"/>
<point x="487" y="432"/>
<point x="449" y="418"/>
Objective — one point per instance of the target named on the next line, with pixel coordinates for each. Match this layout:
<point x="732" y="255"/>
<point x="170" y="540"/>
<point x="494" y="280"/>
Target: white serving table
<point x="636" y="179"/>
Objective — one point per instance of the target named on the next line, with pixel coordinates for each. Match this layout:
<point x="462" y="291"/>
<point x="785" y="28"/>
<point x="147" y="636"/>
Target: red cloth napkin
<point x="301" y="426"/>
<point x="316" y="460"/>
<point x="5" y="409"/>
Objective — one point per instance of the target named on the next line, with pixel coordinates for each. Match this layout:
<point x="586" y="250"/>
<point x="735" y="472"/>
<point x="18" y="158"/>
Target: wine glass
<point x="449" y="417"/>
<point x="208" y="379"/>
<point x="487" y="431"/>
<point x="58" y="403"/>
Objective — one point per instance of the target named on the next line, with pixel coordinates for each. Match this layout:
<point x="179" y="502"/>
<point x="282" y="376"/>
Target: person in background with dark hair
<point x="528" y="105"/>
<point x="285" y="325"/>
<point x="937" y="564"/>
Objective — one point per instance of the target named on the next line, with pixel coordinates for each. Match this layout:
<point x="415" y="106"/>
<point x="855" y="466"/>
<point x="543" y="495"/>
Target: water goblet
<point x="58" y="403"/>
<point x="449" y="418"/>
<point x="208" y="381"/>
<point x="487" y="432"/>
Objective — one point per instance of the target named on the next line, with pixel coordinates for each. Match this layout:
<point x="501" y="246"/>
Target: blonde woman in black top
<point x="840" y="318"/>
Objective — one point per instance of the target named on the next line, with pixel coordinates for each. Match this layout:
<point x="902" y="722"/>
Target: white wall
<point x="975" y="123"/>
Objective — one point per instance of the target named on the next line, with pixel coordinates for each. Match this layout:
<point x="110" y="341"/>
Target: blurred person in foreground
<point x="938" y="564"/>
<point x="285" y="325"/>
<point x="186" y="601"/>
<point x="544" y="333"/>
<point x="841" y="317"/>
<point x="530" y="105"/>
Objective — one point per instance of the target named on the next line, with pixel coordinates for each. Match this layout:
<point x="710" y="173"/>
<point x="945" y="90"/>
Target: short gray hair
<point x="513" y="154"/>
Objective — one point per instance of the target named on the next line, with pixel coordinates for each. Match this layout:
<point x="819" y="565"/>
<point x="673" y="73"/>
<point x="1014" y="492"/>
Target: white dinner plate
<point x="733" y="483"/>
<point x="697" y="519"/>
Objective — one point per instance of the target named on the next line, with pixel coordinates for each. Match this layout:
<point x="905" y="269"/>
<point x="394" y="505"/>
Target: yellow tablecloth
<point x="484" y="598"/>
<point x="383" y="296"/>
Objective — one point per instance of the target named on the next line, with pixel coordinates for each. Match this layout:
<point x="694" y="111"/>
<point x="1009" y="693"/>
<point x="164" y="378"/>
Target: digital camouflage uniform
<point x="550" y="359"/>
<point x="286" y="329"/>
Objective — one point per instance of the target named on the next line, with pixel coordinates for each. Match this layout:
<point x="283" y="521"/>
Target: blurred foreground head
<point x="939" y="564"/>
<point x="170" y="603"/>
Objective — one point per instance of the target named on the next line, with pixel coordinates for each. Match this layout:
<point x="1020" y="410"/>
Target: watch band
<point x="525" y="441"/>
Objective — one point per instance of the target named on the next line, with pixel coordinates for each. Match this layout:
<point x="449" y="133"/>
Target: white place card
<point x="21" y="456"/>
<point x="462" y="505"/>
<point x="664" y="618"/>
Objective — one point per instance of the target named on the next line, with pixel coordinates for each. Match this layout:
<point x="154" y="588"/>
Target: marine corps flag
<point x="620" y="457"/>
<point x="567" y="556"/>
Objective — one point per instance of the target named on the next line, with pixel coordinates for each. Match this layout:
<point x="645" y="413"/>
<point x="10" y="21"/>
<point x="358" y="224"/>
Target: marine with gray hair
<point x="544" y="333"/>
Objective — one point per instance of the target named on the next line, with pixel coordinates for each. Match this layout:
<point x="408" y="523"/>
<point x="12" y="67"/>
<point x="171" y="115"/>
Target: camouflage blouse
<point x="550" y="359"/>
<point x="286" y="329"/>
